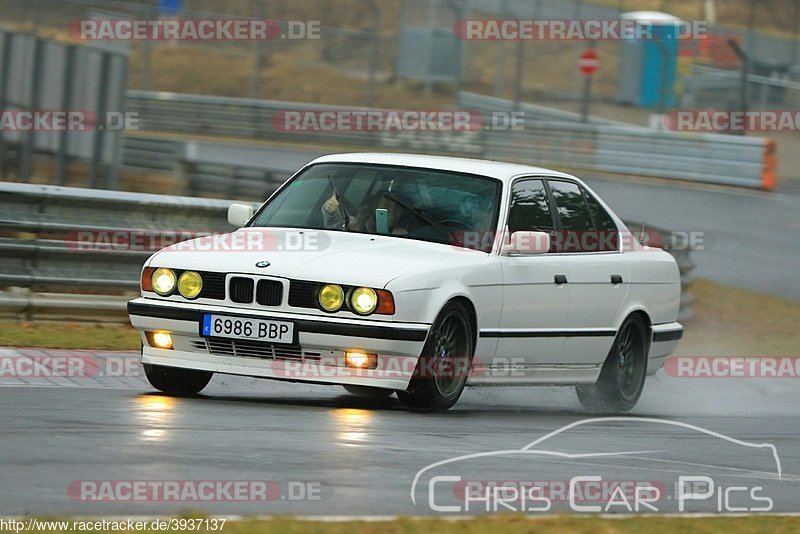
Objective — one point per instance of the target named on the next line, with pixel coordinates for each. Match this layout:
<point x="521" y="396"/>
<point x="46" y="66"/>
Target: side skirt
<point x="533" y="375"/>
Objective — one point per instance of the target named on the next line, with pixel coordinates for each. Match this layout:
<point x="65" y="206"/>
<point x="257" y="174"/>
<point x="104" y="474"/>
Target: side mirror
<point x="239" y="214"/>
<point x="527" y="243"/>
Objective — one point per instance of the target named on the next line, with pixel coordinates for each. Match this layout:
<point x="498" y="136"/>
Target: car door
<point x="535" y="299"/>
<point x="597" y="271"/>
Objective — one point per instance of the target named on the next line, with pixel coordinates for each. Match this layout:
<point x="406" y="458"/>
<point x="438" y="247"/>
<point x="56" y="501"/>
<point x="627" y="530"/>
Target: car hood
<point x="340" y="257"/>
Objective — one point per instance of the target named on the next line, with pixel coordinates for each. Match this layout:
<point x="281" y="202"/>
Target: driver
<point x="364" y="220"/>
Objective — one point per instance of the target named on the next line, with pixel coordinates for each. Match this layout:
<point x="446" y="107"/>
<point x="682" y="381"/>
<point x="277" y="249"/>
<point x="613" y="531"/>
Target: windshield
<point x="423" y="204"/>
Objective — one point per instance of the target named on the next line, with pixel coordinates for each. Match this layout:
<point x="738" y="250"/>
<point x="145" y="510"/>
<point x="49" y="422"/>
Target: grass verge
<point x="736" y="322"/>
<point x="68" y="336"/>
<point x="512" y="524"/>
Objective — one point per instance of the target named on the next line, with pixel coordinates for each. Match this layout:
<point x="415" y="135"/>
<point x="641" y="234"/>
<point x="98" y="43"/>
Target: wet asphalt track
<point x="364" y="454"/>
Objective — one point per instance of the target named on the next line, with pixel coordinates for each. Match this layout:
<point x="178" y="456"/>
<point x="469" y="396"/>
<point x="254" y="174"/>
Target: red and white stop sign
<point x="589" y="62"/>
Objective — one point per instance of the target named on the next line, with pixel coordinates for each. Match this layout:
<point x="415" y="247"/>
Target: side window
<point x="608" y="236"/>
<point x="529" y="208"/>
<point x="576" y="221"/>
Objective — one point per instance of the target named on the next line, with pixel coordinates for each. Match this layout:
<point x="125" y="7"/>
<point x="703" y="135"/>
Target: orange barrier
<point x="768" y="173"/>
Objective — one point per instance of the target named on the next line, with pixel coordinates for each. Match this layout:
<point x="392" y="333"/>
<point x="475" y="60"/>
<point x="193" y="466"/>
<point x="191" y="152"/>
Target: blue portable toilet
<point x="169" y="8"/>
<point x="650" y="62"/>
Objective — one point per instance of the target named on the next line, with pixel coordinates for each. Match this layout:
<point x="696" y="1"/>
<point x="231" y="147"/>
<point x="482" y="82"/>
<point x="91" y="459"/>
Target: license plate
<point x="240" y="328"/>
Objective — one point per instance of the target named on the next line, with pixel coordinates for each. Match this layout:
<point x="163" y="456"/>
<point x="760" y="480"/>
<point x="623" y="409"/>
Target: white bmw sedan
<point x="415" y="275"/>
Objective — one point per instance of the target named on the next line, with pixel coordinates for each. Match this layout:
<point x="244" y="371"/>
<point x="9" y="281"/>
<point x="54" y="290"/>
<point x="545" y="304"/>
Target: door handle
<point x="560" y="279"/>
<point x="616" y="279"/>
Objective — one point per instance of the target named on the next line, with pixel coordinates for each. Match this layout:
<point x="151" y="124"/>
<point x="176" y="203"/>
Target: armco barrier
<point x="47" y="274"/>
<point x="558" y="137"/>
<point x="195" y="172"/>
<point x="549" y="137"/>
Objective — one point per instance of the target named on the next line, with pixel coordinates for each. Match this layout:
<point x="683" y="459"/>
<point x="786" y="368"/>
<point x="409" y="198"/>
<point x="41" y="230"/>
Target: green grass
<point x="514" y="524"/>
<point x="67" y="336"/>
<point x="737" y="322"/>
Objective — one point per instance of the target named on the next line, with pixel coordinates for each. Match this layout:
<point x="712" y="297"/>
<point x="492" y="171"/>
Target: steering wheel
<point x="454" y="222"/>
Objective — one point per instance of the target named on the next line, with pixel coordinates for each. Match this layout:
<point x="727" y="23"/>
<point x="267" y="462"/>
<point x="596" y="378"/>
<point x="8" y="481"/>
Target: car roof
<point x="494" y="169"/>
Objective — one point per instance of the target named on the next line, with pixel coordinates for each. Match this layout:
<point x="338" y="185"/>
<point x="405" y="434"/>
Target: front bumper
<point x="317" y="357"/>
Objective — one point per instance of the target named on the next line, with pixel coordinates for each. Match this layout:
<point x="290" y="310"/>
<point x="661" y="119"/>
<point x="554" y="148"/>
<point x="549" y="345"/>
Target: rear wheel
<point x="443" y="368"/>
<point x="176" y="381"/>
<point x="622" y="377"/>
<point x="369" y="392"/>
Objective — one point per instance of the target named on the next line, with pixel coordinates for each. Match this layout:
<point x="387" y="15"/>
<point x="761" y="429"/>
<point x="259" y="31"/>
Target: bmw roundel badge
<point x="263" y="264"/>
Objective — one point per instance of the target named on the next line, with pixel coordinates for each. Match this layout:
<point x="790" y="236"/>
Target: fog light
<point x="159" y="340"/>
<point x="360" y="360"/>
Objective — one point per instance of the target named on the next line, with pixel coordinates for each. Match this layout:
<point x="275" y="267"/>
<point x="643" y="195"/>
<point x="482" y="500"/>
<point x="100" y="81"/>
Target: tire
<point x="622" y="377"/>
<point x="369" y="392"/>
<point x="443" y="367"/>
<point x="174" y="381"/>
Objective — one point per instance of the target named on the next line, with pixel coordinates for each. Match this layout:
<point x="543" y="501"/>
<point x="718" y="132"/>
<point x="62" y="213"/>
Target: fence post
<point x="116" y="157"/>
<point x="27" y="146"/>
<point x="500" y="69"/>
<point x="5" y="66"/>
<point x="66" y="103"/>
<point x="144" y="75"/>
<point x="258" y="54"/>
<point x="796" y="31"/>
<point x="374" y="50"/>
<point x="37" y="15"/>
<point x="99" y="134"/>
<point x="743" y="93"/>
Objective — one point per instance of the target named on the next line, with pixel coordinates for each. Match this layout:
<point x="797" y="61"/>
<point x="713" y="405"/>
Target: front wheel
<point x="443" y="367"/>
<point x="622" y="377"/>
<point x="174" y="381"/>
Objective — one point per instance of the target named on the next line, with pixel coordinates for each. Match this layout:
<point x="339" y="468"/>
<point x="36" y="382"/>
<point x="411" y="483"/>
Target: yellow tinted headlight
<point x="331" y="297"/>
<point x="190" y="284"/>
<point x="363" y="300"/>
<point x="163" y="281"/>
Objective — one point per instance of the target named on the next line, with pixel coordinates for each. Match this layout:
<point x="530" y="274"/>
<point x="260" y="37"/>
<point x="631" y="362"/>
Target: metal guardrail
<point x="49" y="270"/>
<point x="196" y="173"/>
<point x="708" y="87"/>
<point x="615" y="147"/>
<point x="533" y="112"/>
<point x="549" y="137"/>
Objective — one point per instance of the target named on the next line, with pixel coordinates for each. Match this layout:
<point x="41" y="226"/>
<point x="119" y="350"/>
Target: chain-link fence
<point x="342" y="49"/>
<point x="406" y="52"/>
<point x="546" y="70"/>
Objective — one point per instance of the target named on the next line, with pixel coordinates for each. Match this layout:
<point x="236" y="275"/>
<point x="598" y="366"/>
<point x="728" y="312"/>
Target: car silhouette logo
<point x="263" y="264"/>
